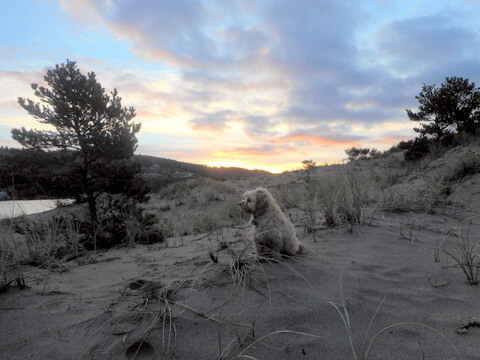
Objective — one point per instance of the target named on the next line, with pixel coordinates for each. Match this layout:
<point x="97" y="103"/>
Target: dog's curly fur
<point x="274" y="232"/>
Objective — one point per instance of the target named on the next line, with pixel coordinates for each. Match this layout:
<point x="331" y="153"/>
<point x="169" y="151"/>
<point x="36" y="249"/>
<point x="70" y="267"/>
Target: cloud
<point x="298" y="58"/>
<point x="211" y="122"/>
<point x="25" y="77"/>
<point x="313" y="36"/>
<point x="392" y="139"/>
<point x="303" y="139"/>
<point x="85" y="11"/>
<point x="164" y="30"/>
<point x="264" y="150"/>
<point x="262" y="126"/>
<point x="266" y="75"/>
<point x="416" y="44"/>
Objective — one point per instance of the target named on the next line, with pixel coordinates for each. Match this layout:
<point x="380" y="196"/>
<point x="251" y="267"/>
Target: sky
<point x="260" y="84"/>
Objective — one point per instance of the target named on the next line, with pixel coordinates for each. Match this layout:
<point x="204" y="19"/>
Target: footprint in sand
<point x="140" y="350"/>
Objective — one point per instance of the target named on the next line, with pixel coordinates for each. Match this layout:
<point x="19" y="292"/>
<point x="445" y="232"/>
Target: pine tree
<point x="92" y="129"/>
<point x="453" y="107"/>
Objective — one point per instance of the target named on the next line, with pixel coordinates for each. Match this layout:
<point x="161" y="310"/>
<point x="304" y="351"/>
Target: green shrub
<point x="418" y="149"/>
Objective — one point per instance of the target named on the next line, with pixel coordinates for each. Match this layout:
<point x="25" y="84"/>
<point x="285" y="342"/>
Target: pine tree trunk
<point x="92" y="207"/>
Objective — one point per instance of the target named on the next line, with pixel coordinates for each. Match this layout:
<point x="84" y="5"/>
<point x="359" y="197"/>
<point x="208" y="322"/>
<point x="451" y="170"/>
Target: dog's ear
<point x="261" y="200"/>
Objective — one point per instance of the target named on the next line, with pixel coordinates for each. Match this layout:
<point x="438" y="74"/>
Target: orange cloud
<point x="265" y="150"/>
<point x="83" y="10"/>
<point x="240" y="152"/>
<point x="147" y="114"/>
<point x="252" y="152"/>
<point x="391" y="140"/>
<point x="317" y="140"/>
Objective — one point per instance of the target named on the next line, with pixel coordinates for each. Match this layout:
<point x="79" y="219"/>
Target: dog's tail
<point x="301" y="248"/>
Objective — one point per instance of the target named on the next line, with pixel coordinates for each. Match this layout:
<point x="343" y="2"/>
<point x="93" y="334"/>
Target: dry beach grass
<point x="384" y="277"/>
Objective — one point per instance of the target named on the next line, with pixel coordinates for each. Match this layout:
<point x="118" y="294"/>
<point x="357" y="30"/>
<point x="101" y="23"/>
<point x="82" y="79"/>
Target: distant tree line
<point x="360" y="153"/>
<point x="161" y="171"/>
<point x="163" y="165"/>
<point x="34" y="173"/>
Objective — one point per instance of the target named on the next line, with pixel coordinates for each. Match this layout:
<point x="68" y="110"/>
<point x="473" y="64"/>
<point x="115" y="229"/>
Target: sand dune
<point x="172" y="301"/>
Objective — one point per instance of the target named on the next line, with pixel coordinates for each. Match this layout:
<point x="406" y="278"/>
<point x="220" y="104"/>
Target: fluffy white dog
<point x="274" y="232"/>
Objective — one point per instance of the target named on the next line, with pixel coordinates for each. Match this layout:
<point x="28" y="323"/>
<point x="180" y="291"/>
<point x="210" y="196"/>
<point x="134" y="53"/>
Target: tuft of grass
<point x="232" y="213"/>
<point x="343" y="196"/>
<point x="407" y="228"/>
<point x="464" y="251"/>
<point x="178" y="224"/>
<point x="153" y="307"/>
<point x="463" y="166"/>
<point x="140" y="228"/>
<point x="290" y="196"/>
<point x="386" y="179"/>
<point x="311" y="206"/>
<point x="242" y="268"/>
<point x="209" y="188"/>
<point x="442" y="182"/>
<point x="432" y="194"/>
<point x="52" y="242"/>
<point x="397" y="199"/>
<point x="353" y="198"/>
<point x="10" y="258"/>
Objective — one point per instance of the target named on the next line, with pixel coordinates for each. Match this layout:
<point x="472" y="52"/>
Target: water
<point x="13" y="208"/>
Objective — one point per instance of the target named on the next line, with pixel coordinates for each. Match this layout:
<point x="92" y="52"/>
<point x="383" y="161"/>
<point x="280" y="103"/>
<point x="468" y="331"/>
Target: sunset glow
<point x="260" y="85"/>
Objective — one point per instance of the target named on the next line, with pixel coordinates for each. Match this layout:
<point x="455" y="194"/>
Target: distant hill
<point x="37" y="173"/>
<point x="153" y="166"/>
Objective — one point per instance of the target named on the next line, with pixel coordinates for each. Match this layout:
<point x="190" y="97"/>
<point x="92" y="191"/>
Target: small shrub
<point x="120" y="221"/>
<point x="361" y="153"/>
<point x="308" y="167"/>
<point x="419" y="148"/>
<point x="404" y="145"/>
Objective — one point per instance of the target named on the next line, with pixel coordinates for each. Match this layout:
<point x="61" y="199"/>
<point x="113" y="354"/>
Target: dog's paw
<point x="301" y="249"/>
